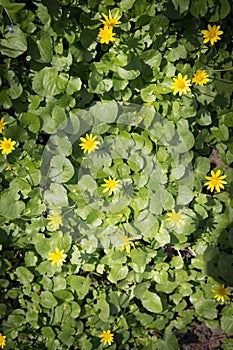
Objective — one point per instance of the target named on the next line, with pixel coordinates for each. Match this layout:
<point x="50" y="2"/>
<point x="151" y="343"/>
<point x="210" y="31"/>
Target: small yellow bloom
<point x="7" y="146"/>
<point x="2" y="340"/>
<point x="181" y="84"/>
<point x="212" y="34"/>
<point x="200" y="77"/>
<point x="107" y="337"/>
<point x="55" y="221"/>
<point x="221" y="293"/>
<point x="110" y="185"/>
<point x="175" y="218"/>
<point x="58" y="257"/>
<point x="89" y="144"/>
<point x="106" y="35"/>
<point x="127" y="244"/>
<point x="2" y="124"/>
<point x="110" y="21"/>
<point x="215" y="181"/>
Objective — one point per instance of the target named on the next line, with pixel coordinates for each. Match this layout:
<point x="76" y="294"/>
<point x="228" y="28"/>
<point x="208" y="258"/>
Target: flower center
<point x="125" y="240"/>
<point x="90" y="144"/>
<point x="112" y="184"/>
<point x="107" y="336"/>
<point x="176" y="217"/>
<point x="57" y="256"/>
<point x="7" y="145"/>
<point x="57" y="220"/>
<point x="212" y="33"/>
<point x="107" y="35"/>
<point x="215" y="181"/>
<point x="180" y="84"/>
<point x="199" y="77"/>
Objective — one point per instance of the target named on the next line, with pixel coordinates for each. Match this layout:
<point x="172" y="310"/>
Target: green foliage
<point x="58" y="83"/>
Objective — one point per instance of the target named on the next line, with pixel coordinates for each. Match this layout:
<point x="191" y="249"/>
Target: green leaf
<point x="220" y="133"/>
<point x="140" y="289"/>
<point x="64" y="295"/>
<point x="56" y="196"/>
<point x="178" y="172"/>
<point x="104" y="112"/>
<point x="128" y="74"/>
<point x="225" y="8"/>
<point x="186" y="137"/>
<point x="117" y="273"/>
<point x="177" y="53"/>
<point x="103" y="306"/>
<point x="87" y="184"/>
<point x="206" y="308"/>
<point x="202" y="167"/>
<point x="45" y="47"/>
<point x="15" y="44"/>
<point x="152" y="302"/>
<point x="42" y="245"/>
<point x="152" y="58"/>
<point x="185" y="195"/>
<point x="162" y="237"/>
<point x="181" y="6"/>
<point x="15" y="319"/>
<point x="24" y="275"/>
<point x="158" y="25"/>
<point x="203" y="117"/>
<point x="12" y="9"/>
<point x="47" y="300"/>
<point x="226" y="324"/>
<point x="170" y="341"/>
<point x="166" y="287"/>
<point x="126" y="4"/>
<point x="66" y="335"/>
<point x="30" y="259"/>
<point x="48" y="332"/>
<point x="139" y="260"/>
<point x="198" y="8"/>
<point x="74" y="85"/>
<point x="31" y="121"/>
<point x="47" y="82"/>
<point x="80" y="284"/>
<point x="228" y="119"/>
<point x="61" y="169"/>
<point x="62" y="63"/>
<point x="10" y="205"/>
<point x="15" y="90"/>
<point x="147" y="94"/>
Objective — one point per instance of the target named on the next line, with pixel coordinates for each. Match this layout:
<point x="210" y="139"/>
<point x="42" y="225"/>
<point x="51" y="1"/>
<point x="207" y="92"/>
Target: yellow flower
<point x="215" y="181"/>
<point x="176" y="218"/>
<point x="212" y="34"/>
<point x="126" y="244"/>
<point x="55" y="221"/>
<point x="181" y="84"/>
<point x="110" y="184"/>
<point x="2" y="124"/>
<point x="2" y="340"/>
<point x="106" y="35"/>
<point x="110" y="21"/>
<point x="200" y="77"/>
<point x="221" y="293"/>
<point x="7" y="146"/>
<point x="58" y="257"/>
<point x="89" y="144"/>
<point x="107" y="337"/>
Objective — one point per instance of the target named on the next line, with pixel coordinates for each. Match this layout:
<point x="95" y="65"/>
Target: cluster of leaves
<point x="58" y="82"/>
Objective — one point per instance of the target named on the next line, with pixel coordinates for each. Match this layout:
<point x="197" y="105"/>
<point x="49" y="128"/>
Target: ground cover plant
<point x="116" y="194"/>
